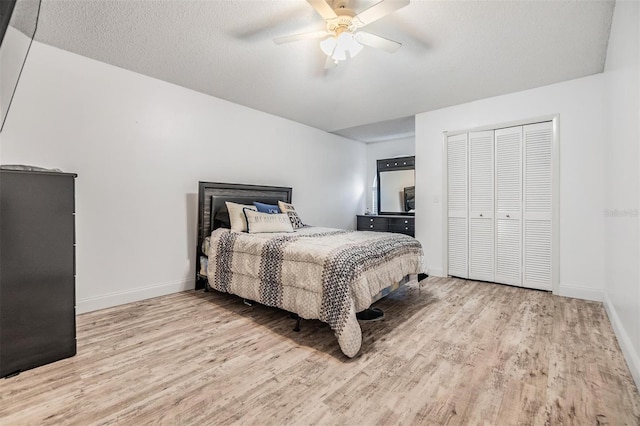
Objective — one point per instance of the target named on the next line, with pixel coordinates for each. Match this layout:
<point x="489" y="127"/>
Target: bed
<point x="313" y="272"/>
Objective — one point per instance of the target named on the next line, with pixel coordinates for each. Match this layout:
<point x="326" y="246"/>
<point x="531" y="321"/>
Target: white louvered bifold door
<point x="481" y="201"/>
<point x="457" y="231"/>
<point x="537" y="184"/>
<point x="508" y="223"/>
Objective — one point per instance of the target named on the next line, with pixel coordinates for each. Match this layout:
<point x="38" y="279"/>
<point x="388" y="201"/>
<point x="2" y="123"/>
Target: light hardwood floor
<point x="457" y="352"/>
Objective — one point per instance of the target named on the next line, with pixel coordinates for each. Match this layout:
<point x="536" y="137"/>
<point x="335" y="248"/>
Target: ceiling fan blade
<point x="323" y="9"/>
<point x="378" y="42"/>
<point x="303" y="36"/>
<point x="377" y="11"/>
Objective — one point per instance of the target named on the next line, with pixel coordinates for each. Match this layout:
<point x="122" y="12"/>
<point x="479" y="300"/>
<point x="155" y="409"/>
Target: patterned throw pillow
<point x="287" y="208"/>
<point x="237" y="217"/>
<point x="258" y="222"/>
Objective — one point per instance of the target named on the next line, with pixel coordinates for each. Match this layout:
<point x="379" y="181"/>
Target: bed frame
<point x="212" y="196"/>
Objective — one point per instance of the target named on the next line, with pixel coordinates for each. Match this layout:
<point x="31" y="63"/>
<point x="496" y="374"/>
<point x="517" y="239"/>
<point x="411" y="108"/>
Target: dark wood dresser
<point x="37" y="269"/>
<point x="403" y="224"/>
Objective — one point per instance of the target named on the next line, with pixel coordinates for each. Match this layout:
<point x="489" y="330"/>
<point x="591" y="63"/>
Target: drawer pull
<point x="406" y="221"/>
<point x="508" y="216"/>
<point x="370" y="226"/>
<point x="480" y="214"/>
<point x="395" y="164"/>
<point x="406" y="227"/>
<point x="371" y="220"/>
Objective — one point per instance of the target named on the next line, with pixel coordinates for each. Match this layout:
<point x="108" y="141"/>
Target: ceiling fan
<point x="343" y="38"/>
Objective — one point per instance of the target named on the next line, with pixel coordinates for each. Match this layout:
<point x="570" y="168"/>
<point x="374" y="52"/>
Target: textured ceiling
<point x="453" y="52"/>
<point x="24" y="16"/>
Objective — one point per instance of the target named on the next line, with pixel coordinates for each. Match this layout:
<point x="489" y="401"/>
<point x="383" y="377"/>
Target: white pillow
<point x="236" y="216"/>
<point x="258" y="222"/>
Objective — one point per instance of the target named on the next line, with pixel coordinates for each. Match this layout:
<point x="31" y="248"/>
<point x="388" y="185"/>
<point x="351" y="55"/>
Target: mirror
<point x="19" y="19"/>
<point x="396" y="185"/>
<point x="392" y="190"/>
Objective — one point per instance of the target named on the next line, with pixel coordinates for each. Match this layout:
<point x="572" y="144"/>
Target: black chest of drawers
<point x="387" y="223"/>
<point x="37" y="284"/>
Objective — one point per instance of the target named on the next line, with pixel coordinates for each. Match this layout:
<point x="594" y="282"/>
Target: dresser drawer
<point x="403" y="229"/>
<point x="402" y="225"/>
<point x="401" y="221"/>
<point x="372" y="223"/>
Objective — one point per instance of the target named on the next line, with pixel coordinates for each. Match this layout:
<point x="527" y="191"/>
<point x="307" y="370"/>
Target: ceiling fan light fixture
<point x="339" y="55"/>
<point x="347" y="43"/>
<point x="328" y="46"/>
<point x="337" y="47"/>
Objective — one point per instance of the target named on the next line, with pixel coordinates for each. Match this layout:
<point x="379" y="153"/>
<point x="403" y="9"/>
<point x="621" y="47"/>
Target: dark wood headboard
<point x="212" y="196"/>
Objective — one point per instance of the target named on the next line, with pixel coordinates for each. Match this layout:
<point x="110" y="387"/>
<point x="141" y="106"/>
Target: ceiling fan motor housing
<point x="342" y="23"/>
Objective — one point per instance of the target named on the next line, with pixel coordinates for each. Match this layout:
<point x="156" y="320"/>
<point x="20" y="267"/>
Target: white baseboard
<point x="630" y="355"/>
<point x="121" y="297"/>
<point x="578" y="292"/>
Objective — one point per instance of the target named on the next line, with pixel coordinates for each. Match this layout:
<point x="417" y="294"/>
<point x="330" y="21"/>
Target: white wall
<point x="386" y="149"/>
<point x="622" y="276"/>
<point x="140" y="146"/>
<point x="580" y="105"/>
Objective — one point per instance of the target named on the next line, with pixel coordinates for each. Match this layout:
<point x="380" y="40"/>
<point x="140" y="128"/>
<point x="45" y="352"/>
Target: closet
<point x="500" y="205"/>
